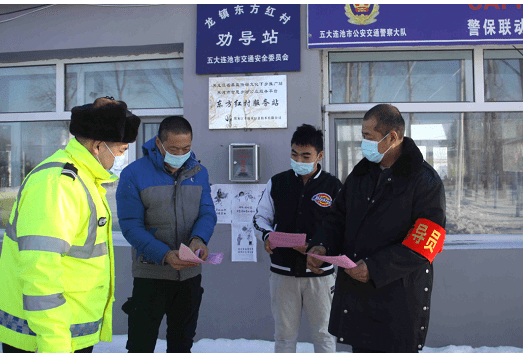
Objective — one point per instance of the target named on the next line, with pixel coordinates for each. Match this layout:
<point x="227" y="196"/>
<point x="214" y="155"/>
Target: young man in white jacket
<point x="296" y="201"/>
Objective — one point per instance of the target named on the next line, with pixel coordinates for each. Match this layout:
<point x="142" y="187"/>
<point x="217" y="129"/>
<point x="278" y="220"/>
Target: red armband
<point x="426" y="238"/>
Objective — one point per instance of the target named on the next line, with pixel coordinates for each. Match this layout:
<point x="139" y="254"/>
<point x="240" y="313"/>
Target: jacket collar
<point x="409" y="161"/>
<point x="150" y="150"/>
<point x="87" y="163"/>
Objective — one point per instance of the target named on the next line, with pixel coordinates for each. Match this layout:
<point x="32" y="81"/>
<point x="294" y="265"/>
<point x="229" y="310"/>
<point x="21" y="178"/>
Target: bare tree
<point x="372" y="90"/>
<point x="43" y="91"/>
<point x="120" y="77"/>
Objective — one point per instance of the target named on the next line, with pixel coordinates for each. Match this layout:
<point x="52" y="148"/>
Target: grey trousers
<point x="289" y="295"/>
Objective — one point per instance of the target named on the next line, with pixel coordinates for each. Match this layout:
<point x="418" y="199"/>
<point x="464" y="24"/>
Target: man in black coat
<point x="383" y="304"/>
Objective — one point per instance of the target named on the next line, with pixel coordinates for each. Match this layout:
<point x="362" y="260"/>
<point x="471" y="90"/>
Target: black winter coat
<point x="296" y="208"/>
<point x="369" y="221"/>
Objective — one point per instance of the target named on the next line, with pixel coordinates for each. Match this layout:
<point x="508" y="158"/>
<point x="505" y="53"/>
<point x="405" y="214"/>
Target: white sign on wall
<point x="248" y="102"/>
<point x="243" y="242"/>
<point x="222" y="195"/>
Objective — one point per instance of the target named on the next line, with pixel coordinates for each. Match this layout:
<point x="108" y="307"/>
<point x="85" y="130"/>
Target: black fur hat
<point x="104" y="120"/>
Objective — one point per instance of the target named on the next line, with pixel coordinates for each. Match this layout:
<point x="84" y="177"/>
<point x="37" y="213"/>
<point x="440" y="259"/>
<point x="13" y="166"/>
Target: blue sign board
<point x="247" y="38"/>
<point x="342" y="26"/>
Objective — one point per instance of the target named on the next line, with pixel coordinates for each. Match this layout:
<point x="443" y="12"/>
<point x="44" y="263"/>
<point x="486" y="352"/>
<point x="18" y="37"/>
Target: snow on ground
<point x="255" y="346"/>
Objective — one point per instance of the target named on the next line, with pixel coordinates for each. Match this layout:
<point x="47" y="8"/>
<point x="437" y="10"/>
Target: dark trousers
<point x="9" y="349"/>
<point x="365" y="350"/>
<point x="154" y="298"/>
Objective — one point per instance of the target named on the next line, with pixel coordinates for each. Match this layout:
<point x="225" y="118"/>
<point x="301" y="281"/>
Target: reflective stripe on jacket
<point x="57" y="263"/>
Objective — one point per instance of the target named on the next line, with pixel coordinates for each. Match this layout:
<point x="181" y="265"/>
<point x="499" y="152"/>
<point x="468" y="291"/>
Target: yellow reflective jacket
<point x="57" y="262"/>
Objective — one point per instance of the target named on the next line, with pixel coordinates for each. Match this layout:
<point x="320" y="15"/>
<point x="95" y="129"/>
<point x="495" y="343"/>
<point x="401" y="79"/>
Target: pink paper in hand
<point x="341" y="261"/>
<point x="286" y="240"/>
<point x="186" y="254"/>
<point x="213" y="258"/>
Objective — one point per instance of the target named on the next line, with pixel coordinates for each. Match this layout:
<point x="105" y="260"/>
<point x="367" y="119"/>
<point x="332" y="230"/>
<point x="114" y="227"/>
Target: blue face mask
<point x="175" y="161"/>
<point x="370" y="150"/>
<point x="302" y="168"/>
<point x="118" y="164"/>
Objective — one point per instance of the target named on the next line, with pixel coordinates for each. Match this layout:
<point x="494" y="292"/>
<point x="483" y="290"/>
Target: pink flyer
<point x="286" y="240"/>
<point x="186" y="254"/>
<point x="341" y="261"/>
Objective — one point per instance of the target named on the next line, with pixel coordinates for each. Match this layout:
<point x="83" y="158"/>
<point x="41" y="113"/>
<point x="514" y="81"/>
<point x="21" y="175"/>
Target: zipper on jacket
<point x="174" y="204"/>
<point x="178" y="175"/>
<point x="175" y="219"/>
<point x="301" y="201"/>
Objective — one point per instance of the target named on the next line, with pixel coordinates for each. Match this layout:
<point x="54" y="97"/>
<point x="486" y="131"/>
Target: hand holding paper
<point x="267" y="246"/>
<point x="313" y="263"/>
<point x="286" y="240"/>
<point x="187" y="255"/>
<point x="301" y="249"/>
<point x="198" y="247"/>
<point x="172" y="258"/>
<point x="360" y="272"/>
<point x="341" y="261"/>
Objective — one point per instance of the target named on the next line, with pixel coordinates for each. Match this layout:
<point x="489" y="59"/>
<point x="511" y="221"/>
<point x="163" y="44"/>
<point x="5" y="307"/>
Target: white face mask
<point x="174" y="160"/>
<point x="302" y="168"/>
<point x="118" y="164"/>
<point x="369" y="149"/>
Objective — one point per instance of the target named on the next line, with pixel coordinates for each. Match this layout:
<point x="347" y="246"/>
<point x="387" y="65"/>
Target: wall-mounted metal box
<point x="244" y="162"/>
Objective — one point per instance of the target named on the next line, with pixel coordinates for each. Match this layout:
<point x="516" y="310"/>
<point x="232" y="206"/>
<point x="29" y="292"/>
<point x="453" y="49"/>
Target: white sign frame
<point x="248" y="102"/>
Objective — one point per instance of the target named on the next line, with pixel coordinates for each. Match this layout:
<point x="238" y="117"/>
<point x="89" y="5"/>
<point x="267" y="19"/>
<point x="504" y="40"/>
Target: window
<point x="426" y="76"/>
<point x="463" y="110"/>
<point x="348" y="142"/>
<point x="27" y="89"/>
<point x="141" y="84"/>
<point x="479" y="157"/>
<point x="503" y="78"/>
<point x="492" y="182"/>
<point x="23" y="146"/>
<point x="34" y="117"/>
<point x="150" y="131"/>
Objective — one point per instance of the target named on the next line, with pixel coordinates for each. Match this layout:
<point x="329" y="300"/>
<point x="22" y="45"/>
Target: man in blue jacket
<point x="164" y="200"/>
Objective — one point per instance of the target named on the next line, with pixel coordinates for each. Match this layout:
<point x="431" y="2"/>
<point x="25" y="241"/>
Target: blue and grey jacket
<point x="158" y="211"/>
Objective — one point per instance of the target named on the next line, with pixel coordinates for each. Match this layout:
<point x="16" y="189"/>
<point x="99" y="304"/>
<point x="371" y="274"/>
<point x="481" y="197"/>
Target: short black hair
<point x="175" y="124"/>
<point x="388" y="118"/>
<point x="308" y="135"/>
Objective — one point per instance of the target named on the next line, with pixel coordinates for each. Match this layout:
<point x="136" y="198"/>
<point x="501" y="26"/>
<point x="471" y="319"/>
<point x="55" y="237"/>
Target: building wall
<point x="477" y="293"/>
<point x="476" y="299"/>
<point x="84" y="26"/>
